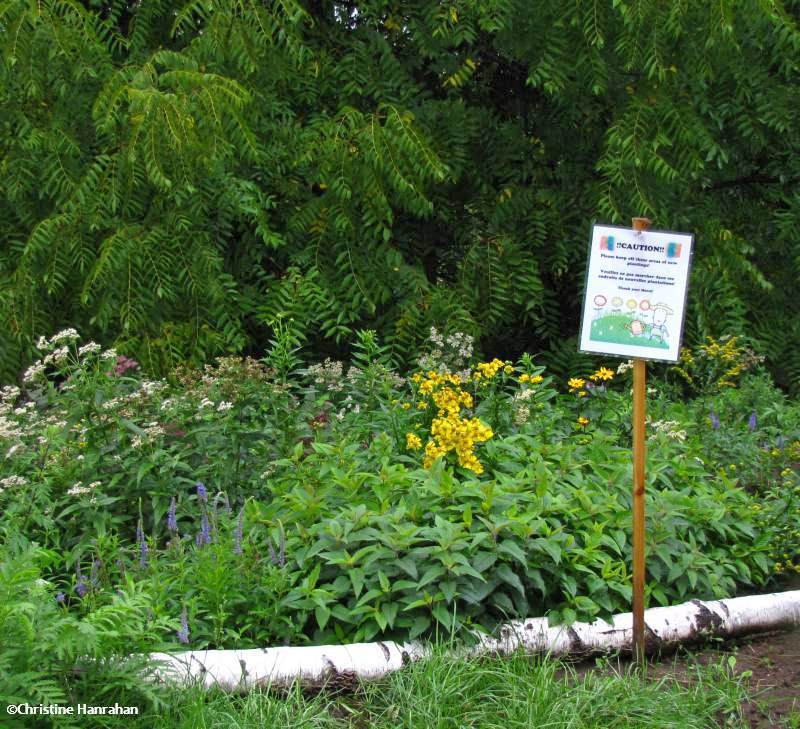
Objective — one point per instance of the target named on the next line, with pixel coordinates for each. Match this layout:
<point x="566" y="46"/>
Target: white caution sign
<point x="635" y="296"/>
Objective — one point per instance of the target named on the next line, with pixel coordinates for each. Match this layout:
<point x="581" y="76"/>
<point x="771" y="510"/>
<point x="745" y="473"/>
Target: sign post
<point x="639" y="457"/>
<point x="634" y="305"/>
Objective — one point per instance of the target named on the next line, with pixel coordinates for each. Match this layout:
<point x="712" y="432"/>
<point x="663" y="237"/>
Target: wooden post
<point x="639" y="455"/>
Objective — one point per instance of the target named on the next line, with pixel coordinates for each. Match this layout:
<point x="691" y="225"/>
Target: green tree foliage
<point x="177" y="176"/>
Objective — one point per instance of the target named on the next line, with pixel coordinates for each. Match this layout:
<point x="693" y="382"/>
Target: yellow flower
<point x="536" y="379"/>
<point x="508" y="369"/>
<point x="583" y="422"/>
<point x="422" y="405"/>
<point x="413" y="442"/>
<point x="575" y="383"/>
<point x="406" y="406"/>
<point x="602" y="374"/>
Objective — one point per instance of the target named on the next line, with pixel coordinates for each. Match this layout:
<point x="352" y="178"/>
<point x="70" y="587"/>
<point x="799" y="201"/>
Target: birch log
<point x="240" y="670"/>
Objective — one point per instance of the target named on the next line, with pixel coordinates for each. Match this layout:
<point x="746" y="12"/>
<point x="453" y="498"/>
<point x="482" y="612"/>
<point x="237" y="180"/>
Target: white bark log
<point x="239" y="670"/>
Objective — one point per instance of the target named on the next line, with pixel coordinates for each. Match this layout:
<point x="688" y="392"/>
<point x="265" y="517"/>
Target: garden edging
<point x="240" y="670"/>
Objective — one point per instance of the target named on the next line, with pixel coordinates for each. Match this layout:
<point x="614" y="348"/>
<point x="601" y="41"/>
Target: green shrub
<point x="266" y="504"/>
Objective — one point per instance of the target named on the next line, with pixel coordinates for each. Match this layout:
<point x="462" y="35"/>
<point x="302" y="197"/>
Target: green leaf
<point x="511" y="548"/>
<point x="421" y="624"/>
<point x="322" y="614"/>
<point x="357" y="578"/>
<point x="505" y="573"/>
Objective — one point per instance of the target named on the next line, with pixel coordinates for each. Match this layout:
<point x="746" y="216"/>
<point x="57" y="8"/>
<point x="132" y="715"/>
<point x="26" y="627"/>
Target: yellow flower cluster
<point x="427" y="383"/>
<point x="413" y="442"/>
<point x="449" y="431"/>
<point x="453" y="433"/>
<point x="532" y="379"/>
<point x="487" y="370"/>
<point x="583" y="422"/>
<point x="449" y="401"/>
<point x="727" y="351"/>
<point x="716" y="364"/>
<point x="576" y="384"/>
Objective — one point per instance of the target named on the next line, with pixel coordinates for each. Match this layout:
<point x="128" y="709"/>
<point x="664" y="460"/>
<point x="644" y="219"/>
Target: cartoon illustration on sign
<point x="643" y="324"/>
<point x="635" y="327"/>
<point x="659" y="329"/>
<point x="599" y="303"/>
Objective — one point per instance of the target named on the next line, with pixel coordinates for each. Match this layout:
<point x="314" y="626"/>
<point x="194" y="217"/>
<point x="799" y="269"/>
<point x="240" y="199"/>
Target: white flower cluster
<point x="522" y="411"/>
<point x="521" y="415"/>
<point x="57" y="357"/>
<point x="670" y="428"/>
<point x="350" y="405"/>
<point x="624" y="367"/>
<point x="10" y="481"/>
<point x="9" y="394"/>
<point x="33" y="373"/>
<point x="78" y="489"/>
<point x="151" y="387"/>
<point x="9" y="430"/>
<point x="146" y="389"/>
<point x="450" y="354"/>
<point x="152" y="432"/>
<point x="89" y="348"/>
<point x="329" y="374"/>
<point x="223" y="406"/>
<point x="65" y="335"/>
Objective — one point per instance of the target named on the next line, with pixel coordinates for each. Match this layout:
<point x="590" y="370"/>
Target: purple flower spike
<point x="202" y="494"/>
<point x="172" y="521"/>
<point x="752" y="422"/>
<point x="204" y="535"/>
<point x="81" y="588"/>
<point x="60" y="598"/>
<point x="142" y="542"/>
<point x="183" y="631"/>
<point x="715" y="420"/>
<point x="237" y="533"/>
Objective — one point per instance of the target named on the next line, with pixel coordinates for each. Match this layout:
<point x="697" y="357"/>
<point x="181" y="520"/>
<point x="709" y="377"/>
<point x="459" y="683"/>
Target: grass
<point x="502" y="693"/>
<point x="615" y="328"/>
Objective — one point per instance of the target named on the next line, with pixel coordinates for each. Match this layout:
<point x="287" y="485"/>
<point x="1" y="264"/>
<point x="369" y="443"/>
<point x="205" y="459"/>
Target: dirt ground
<point x="772" y="659"/>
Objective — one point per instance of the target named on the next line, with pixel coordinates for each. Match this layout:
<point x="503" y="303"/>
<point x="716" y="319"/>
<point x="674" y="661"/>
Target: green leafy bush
<point x="259" y="505"/>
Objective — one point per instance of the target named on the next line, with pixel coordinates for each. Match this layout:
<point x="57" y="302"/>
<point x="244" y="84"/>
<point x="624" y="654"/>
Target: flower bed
<point x="257" y="503"/>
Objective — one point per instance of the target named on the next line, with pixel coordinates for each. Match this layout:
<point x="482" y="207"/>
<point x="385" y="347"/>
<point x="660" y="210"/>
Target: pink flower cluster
<point x="123" y="365"/>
